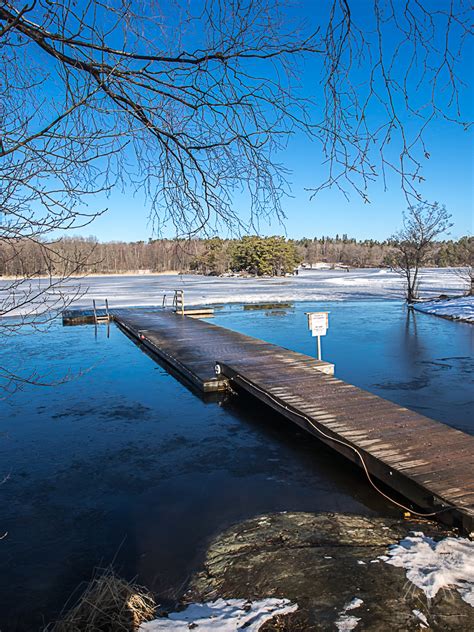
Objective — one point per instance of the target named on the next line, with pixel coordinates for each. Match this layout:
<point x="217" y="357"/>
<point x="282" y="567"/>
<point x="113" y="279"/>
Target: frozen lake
<point x="309" y="285"/>
<point x="124" y="464"/>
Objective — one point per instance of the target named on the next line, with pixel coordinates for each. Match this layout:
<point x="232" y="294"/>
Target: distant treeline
<point x="255" y="255"/>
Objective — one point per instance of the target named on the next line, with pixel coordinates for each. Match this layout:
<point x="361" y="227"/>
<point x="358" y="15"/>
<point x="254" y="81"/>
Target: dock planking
<point x="422" y="460"/>
<point x="195" y="346"/>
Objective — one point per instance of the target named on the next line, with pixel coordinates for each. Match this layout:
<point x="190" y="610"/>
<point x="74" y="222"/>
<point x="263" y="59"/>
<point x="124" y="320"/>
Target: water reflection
<point x="124" y="464"/>
<point x="413" y="359"/>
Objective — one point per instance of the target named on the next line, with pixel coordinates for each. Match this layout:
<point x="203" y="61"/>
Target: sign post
<point x="318" y="323"/>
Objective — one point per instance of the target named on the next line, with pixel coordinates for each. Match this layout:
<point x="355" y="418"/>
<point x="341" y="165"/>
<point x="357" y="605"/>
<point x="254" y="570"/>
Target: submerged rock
<point x="329" y="565"/>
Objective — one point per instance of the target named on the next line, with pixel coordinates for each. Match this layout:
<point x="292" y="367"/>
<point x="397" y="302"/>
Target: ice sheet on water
<point x="309" y="285"/>
<point x="457" y="308"/>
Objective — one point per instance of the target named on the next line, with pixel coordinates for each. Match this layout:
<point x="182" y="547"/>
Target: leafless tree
<point x="99" y="94"/>
<point x="412" y="245"/>
<point x="466" y="271"/>
<point x="192" y="104"/>
<point x="467" y="275"/>
<point x="388" y="65"/>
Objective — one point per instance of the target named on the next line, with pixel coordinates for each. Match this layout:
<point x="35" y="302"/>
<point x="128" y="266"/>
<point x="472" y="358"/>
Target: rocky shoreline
<point x="329" y="564"/>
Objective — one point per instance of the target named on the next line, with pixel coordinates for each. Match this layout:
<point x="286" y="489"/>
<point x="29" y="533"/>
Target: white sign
<point x="318" y="323"/>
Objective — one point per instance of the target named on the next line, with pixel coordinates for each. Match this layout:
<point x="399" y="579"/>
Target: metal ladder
<point x="101" y="318"/>
<point x="178" y="301"/>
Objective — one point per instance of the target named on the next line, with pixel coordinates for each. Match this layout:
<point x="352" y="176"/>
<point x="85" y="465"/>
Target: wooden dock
<point x="193" y="347"/>
<point x="422" y="460"/>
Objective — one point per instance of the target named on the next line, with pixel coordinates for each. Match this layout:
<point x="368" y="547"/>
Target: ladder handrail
<point x="178" y="301"/>
<point x="98" y="318"/>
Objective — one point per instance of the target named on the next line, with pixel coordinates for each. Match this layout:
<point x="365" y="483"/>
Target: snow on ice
<point x="456" y="308"/>
<point x="308" y="285"/>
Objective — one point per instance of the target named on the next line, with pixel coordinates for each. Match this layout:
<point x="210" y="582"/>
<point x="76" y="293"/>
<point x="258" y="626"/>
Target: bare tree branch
<point x="192" y="105"/>
<point x="412" y="245"/>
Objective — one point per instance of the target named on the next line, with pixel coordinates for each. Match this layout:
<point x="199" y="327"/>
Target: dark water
<point x="125" y="465"/>
<point x="417" y="360"/>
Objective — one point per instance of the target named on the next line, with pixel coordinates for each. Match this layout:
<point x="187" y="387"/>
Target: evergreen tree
<point x="273" y="256"/>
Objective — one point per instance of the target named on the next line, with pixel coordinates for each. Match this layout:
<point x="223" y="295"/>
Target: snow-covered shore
<point x="461" y="308"/>
<point x="309" y="285"/>
<point x="431" y="567"/>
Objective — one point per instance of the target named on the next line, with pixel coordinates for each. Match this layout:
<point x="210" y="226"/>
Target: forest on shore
<point x="251" y="254"/>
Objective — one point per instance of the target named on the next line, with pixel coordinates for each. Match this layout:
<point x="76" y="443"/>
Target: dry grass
<point x="108" y="604"/>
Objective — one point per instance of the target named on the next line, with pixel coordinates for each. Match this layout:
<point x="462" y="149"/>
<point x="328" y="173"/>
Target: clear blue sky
<point x="448" y="179"/>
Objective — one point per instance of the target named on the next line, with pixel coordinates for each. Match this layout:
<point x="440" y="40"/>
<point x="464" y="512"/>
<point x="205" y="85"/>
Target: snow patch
<point x="458" y="308"/>
<point x="355" y="603"/>
<point x="432" y="565"/>
<point x="347" y="622"/>
<point x="222" y="615"/>
<point x="422" y="618"/>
